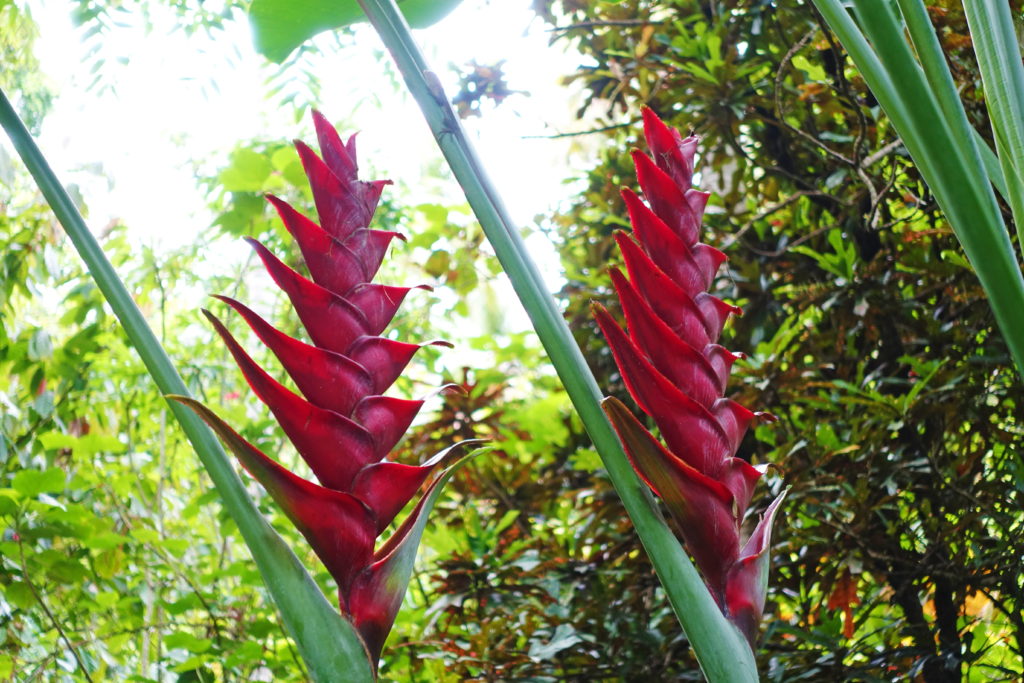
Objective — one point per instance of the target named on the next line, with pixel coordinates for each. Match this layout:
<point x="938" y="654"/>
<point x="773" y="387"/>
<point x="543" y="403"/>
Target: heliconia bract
<point x="676" y="372"/>
<point x="341" y="425"/>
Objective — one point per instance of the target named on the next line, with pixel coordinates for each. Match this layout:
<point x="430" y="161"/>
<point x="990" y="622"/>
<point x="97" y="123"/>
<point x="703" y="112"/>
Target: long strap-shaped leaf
<point x="327" y="642"/>
<point x="927" y="114"/>
<point x="999" y="60"/>
<point x="722" y="651"/>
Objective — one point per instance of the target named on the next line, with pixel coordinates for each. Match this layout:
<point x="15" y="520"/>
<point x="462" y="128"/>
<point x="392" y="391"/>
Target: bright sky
<point x="166" y="113"/>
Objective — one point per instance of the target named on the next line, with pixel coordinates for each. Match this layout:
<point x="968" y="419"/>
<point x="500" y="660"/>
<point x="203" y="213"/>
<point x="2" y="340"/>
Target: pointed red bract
<point x="342" y="425"/>
<point x="676" y="372"/>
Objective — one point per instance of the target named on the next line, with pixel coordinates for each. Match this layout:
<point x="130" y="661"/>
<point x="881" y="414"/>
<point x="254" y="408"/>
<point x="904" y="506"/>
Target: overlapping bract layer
<point x="677" y="373"/>
<point x="341" y="425"/>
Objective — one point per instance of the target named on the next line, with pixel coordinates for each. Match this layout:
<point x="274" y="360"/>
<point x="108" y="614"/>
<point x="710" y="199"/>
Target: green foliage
<point x="21" y="68"/>
<point x="115" y="561"/>
<point x="280" y="26"/>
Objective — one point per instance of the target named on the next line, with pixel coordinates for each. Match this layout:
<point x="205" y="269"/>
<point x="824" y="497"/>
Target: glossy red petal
<point x="370" y="247"/>
<point x="386" y="419"/>
<point x="327" y="379"/>
<point x="740" y="477"/>
<point x="338" y="156"/>
<point x="384" y="359"/>
<point x="721" y="361"/>
<point x="387" y="487"/>
<point x="702" y="508"/>
<point x="747" y="583"/>
<point x="378" y="304"/>
<point x="698" y="202"/>
<point x="666" y="198"/>
<point x="671" y="152"/>
<point x="342" y="206"/>
<point x="665" y="247"/>
<point x="331" y="264"/>
<point x="331" y="321"/>
<point x="690" y="431"/>
<point x="665" y="297"/>
<point x="339" y="528"/>
<point x="734" y="419"/>
<point x="333" y="446"/>
<point x="714" y="312"/>
<point x="708" y="260"/>
<point x="679" y="362"/>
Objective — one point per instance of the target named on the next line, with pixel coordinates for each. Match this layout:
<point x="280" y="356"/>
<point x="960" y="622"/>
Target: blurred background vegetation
<point x="899" y="552"/>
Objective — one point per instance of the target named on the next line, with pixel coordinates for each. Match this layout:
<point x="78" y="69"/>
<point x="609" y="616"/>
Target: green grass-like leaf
<point x="929" y="117"/>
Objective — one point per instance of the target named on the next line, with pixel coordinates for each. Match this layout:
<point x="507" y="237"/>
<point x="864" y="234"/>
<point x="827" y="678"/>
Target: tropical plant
<point x="677" y="372"/>
<point x="345" y="427"/>
<point x="869" y="335"/>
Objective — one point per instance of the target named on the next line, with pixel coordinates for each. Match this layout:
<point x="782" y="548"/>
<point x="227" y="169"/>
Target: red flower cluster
<point x="342" y="425"/>
<point x="677" y="373"/>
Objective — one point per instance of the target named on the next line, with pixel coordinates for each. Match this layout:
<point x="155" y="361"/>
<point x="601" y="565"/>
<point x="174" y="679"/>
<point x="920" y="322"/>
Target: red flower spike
<point x="342" y="425"/>
<point x="677" y="374"/>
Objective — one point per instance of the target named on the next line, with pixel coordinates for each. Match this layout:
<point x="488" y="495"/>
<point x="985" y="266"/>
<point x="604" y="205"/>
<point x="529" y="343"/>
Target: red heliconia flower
<point x="342" y="425"/>
<point x="676" y="372"/>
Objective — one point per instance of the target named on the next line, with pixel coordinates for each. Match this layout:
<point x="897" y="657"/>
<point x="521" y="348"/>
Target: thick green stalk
<point x="327" y="642"/>
<point x="924" y="114"/>
<point x="723" y="653"/>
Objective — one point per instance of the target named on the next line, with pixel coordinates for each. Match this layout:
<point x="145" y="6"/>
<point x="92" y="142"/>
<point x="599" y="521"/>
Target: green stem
<point x="327" y="642"/>
<point x="723" y="653"/>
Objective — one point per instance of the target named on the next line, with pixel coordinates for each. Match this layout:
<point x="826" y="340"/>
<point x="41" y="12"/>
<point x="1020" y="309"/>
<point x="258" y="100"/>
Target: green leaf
<point x="280" y="26"/>
<point x="31" y="483"/>
<point x="107" y="599"/>
<point x="8" y="501"/>
<point x="6" y="666"/>
<point x="926" y="112"/>
<point x="90" y="444"/>
<point x="564" y="637"/>
<point x="39" y="346"/>
<point x="438" y="263"/>
<point x="19" y="594"/>
<point x="109" y="563"/>
<point x="187" y="641"/>
<point x="248" y="172"/>
<point x="999" y="60"/>
<point x="104" y="541"/>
